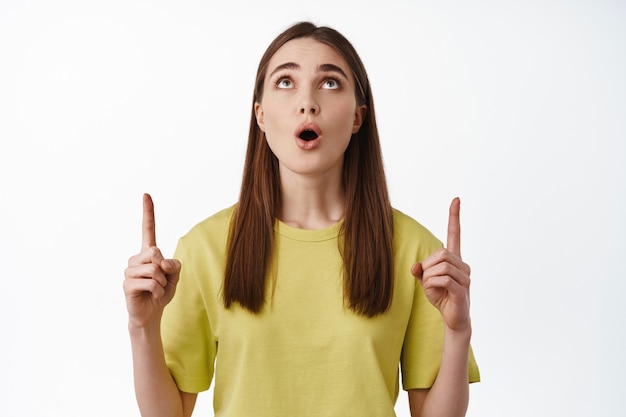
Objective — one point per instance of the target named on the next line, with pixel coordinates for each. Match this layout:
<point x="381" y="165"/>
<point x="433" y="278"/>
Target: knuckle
<point x="132" y="271"/>
<point x="133" y="260"/>
<point x="152" y="270"/>
<point x="154" y="286"/>
<point x="129" y="286"/>
<point x="154" y="252"/>
<point x="157" y="291"/>
<point x="157" y="273"/>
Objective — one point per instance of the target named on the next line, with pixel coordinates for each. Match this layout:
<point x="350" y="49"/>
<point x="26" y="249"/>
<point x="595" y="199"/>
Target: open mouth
<point x="308" y="135"/>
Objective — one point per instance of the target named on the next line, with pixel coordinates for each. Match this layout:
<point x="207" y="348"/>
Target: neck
<point x="311" y="202"/>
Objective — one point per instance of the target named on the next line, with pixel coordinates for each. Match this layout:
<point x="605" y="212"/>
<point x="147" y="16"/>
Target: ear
<point x="359" y="117"/>
<point x="260" y="116"/>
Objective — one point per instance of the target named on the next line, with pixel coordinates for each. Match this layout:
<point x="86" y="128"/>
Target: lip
<point x="308" y="144"/>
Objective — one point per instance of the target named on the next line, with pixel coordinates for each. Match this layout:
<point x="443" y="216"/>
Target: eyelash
<point x="282" y="78"/>
<point x="335" y="80"/>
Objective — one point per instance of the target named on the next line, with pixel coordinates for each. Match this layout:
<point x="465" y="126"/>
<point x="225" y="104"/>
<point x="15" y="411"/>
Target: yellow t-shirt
<point x="306" y="353"/>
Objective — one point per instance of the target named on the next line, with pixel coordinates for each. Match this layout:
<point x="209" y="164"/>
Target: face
<point x="308" y="110"/>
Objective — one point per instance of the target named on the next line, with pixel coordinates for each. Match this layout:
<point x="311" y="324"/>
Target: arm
<point x="449" y="395"/>
<point x="446" y="280"/>
<point x="155" y="389"/>
<point x="149" y="284"/>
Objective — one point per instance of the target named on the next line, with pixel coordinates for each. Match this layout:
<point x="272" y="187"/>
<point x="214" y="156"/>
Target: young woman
<point x="302" y="299"/>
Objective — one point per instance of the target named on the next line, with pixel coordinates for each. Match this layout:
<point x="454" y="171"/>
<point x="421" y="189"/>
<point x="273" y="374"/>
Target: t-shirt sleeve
<point x="188" y="340"/>
<point x="423" y="343"/>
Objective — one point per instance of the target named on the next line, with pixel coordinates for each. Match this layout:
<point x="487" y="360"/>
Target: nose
<point x="309" y="109"/>
<point x="308" y="104"/>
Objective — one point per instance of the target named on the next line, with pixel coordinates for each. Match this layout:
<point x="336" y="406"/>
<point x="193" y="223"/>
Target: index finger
<point x="148" y="236"/>
<point x="454" y="227"/>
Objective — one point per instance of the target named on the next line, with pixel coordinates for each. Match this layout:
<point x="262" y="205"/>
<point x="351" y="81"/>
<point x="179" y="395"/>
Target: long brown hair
<point x="366" y="245"/>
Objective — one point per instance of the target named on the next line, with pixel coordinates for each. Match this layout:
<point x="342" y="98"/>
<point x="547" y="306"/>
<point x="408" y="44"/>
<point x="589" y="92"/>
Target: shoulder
<point x="214" y="228"/>
<point x="406" y="227"/>
<point x="411" y="235"/>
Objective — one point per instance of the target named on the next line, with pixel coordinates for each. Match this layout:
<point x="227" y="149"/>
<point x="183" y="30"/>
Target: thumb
<point x="170" y="266"/>
<point x="417" y="270"/>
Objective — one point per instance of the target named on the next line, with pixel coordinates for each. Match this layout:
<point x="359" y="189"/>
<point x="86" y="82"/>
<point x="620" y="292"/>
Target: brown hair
<point x="367" y="241"/>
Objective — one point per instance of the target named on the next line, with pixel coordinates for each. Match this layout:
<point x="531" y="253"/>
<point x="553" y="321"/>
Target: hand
<point x="446" y="278"/>
<point x="149" y="280"/>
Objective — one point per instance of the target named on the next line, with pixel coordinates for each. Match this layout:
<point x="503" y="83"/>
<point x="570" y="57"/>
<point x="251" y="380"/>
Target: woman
<point x="304" y="295"/>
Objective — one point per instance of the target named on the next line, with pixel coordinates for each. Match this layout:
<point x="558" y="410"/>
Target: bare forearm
<point x="449" y="395"/>
<point x="156" y="392"/>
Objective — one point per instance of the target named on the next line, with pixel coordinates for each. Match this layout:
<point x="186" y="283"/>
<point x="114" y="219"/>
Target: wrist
<point x="459" y="334"/>
<point x="138" y="330"/>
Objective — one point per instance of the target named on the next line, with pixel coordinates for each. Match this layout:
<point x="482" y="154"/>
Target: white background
<point x="517" y="107"/>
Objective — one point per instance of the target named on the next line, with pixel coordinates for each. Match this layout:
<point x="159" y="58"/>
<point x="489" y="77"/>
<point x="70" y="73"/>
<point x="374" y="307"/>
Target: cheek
<point x="275" y="126"/>
<point x="342" y="110"/>
<point x="273" y="115"/>
<point x="345" y="119"/>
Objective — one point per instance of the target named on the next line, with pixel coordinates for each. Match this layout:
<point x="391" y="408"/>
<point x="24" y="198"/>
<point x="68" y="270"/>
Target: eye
<point x="284" y="83"/>
<point x="331" y="84"/>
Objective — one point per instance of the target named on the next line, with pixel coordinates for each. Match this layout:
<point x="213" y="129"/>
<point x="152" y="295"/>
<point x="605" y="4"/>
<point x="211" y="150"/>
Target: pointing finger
<point x="148" y="238"/>
<point x="454" y="227"/>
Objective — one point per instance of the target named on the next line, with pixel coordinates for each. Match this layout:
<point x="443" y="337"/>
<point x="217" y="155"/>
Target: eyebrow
<point x="321" y="68"/>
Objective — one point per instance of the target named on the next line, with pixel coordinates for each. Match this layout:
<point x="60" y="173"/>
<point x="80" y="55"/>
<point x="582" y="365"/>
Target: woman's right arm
<point x="149" y="285"/>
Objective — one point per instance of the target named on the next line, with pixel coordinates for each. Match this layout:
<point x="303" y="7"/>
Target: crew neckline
<point x="308" y="235"/>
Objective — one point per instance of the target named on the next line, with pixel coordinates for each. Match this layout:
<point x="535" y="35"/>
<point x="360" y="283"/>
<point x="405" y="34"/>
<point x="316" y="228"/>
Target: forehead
<point x="307" y="52"/>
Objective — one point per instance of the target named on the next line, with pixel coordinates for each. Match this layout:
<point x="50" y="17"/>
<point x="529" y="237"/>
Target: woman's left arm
<point x="446" y="281"/>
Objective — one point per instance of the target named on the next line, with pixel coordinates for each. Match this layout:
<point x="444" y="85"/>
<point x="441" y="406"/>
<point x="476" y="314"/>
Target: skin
<point x="309" y="91"/>
<point x="446" y="281"/>
<point x="149" y="284"/>
<point x="303" y="92"/>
